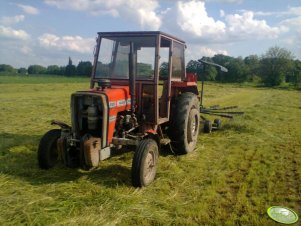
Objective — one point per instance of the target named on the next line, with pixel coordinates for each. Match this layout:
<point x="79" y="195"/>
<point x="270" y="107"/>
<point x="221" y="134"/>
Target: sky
<point x="47" y="32"/>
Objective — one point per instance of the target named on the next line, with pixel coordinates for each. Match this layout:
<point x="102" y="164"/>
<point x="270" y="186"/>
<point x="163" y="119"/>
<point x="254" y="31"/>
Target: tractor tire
<point x="218" y="123"/>
<point x="144" y="165"/>
<point x="47" y="151"/>
<point x="207" y="126"/>
<point x="185" y="123"/>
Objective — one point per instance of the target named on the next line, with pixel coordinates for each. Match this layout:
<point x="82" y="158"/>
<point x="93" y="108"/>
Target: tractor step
<point x="165" y="141"/>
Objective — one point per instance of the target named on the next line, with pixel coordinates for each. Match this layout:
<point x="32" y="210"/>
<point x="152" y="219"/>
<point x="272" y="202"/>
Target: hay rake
<point x="215" y="110"/>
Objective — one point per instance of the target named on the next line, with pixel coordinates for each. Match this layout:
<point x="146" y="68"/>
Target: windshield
<point x="113" y="59"/>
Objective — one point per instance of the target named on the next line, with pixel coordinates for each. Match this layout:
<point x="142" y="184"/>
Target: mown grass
<point x="231" y="179"/>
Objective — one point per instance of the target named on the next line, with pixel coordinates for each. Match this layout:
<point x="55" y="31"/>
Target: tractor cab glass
<point x="113" y="59"/>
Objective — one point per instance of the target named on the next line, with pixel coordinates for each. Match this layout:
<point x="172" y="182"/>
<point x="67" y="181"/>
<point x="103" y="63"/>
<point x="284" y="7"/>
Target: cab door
<point x="164" y="83"/>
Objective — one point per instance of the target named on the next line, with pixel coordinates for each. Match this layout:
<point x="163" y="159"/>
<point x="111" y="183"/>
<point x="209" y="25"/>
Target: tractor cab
<point x="149" y="63"/>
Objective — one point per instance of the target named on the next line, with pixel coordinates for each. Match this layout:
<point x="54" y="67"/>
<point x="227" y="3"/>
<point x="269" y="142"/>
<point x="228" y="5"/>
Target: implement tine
<point x="214" y="107"/>
<point x="224" y="108"/>
<point x="221" y="115"/>
<point x="228" y="112"/>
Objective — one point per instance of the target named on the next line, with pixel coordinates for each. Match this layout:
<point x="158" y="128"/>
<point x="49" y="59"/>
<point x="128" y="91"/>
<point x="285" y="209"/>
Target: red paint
<point x="191" y="80"/>
<point x="191" y="77"/>
<point x="181" y="84"/>
<point x="151" y="131"/>
<point x="116" y="95"/>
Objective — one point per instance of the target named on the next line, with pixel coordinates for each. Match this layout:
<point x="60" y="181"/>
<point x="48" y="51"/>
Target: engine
<point x="85" y="143"/>
<point x="87" y="115"/>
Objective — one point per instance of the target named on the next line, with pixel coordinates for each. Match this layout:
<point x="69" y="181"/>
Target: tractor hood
<point x="116" y="99"/>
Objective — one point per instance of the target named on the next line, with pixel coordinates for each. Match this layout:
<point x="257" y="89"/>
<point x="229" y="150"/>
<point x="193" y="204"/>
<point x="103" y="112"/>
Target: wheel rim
<point x="193" y="125"/>
<point x="149" y="167"/>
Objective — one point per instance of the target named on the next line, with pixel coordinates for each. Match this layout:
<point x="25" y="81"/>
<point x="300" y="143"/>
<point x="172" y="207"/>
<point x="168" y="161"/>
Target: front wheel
<point x="144" y="165"/>
<point x="47" y="151"/>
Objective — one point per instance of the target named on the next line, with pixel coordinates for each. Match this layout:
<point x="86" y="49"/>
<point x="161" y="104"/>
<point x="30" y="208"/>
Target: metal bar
<point x="214" y="107"/>
<point x="222" y="108"/>
<point x="229" y="112"/>
<point x="97" y="47"/>
<point x="221" y="115"/>
<point x="202" y="93"/>
<point x="215" y="65"/>
<point x="223" y="112"/>
<point x="132" y="73"/>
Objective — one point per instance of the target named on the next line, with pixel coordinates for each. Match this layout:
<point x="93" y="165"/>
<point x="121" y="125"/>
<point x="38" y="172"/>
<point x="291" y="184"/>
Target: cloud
<point x="71" y="43"/>
<point x="29" y="9"/>
<point x="192" y="17"/>
<point x="227" y="1"/>
<point x="295" y="10"/>
<point x="291" y="11"/>
<point x="221" y="13"/>
<point x="196" y="51"/>
<point x="190" y="21"/>
<point x="7" y="20"/>
<point x="293" y="22"/>
<point x="293" y="39"/>
<point x="10" y="33"/>
<point x="143" y="11"/>
<point x="244" y="26"/>
<point x="26" y="50"/>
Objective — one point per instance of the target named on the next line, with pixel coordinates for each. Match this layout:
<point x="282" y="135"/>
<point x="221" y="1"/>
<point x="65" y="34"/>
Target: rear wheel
<point x="144" y="165"/>
<point x="185" y="123"/>
<point x="47" y="151"/>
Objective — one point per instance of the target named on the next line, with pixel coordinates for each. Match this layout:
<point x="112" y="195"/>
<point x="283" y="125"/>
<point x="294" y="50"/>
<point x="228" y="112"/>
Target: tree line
<point x="273" y="68"/>
<point x="84" y="68"/>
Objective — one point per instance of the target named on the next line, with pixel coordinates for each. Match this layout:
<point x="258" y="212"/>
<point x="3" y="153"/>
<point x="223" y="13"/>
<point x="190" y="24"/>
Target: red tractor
<point x="139" y="95"/>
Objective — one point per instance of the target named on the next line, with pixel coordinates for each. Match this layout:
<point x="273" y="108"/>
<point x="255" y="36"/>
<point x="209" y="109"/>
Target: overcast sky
<point x="48" y="32"/>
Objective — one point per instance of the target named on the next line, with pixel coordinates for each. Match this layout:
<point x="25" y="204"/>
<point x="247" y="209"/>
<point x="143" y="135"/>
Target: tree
<point x="53" y="70"/>
<point x="252" y="64"/>
<point x="209" y="72"/>
<point x="84" y="68"/>
<point x="224" y="61"/>
<point x="193" y="66"/>
<point x="144" y="70"/>
<point x="275" y="64"/>
<point x="197" y="67"/>
<point x="70" y="68"/>
<point x="163" y="71"/>
<point x="62" y="70"/>
<point x="236" y="70"/>
<point x="6" y="68"/>
<point x="36" y="69"/>
<point x="22" y="71"/>
<point x="296" y="75"/>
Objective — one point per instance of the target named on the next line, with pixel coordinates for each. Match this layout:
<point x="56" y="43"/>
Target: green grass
<point x="233" y="176"/>
<point x="39" y="79"/>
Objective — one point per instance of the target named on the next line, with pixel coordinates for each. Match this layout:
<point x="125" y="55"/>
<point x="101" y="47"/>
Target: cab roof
<point x="139" y="33"/>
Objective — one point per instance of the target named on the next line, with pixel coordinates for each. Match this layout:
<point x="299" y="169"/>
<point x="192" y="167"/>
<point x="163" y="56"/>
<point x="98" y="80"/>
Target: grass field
<point x="233" y="176"/>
